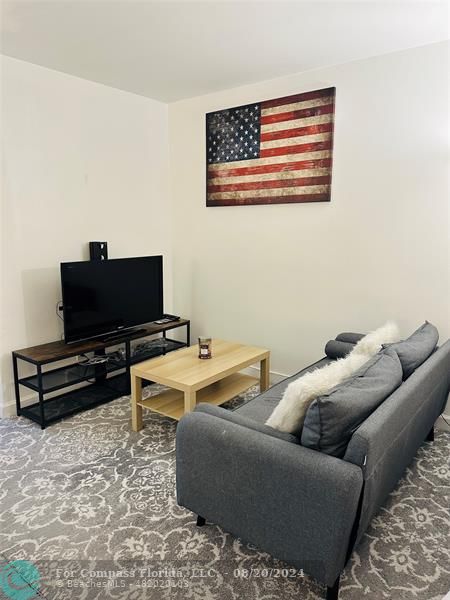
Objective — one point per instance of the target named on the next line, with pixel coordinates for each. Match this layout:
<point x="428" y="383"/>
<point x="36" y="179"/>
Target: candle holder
<point x="204" y="347"/>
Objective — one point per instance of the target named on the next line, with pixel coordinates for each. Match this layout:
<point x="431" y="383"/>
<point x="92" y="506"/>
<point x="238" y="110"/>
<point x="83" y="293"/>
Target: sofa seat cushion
<point x="415" y="350"/>
<point x="261" y="407"/>
<point x="332" y="418"/>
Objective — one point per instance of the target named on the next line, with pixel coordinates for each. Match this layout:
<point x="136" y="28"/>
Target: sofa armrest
<point x="235" y="417"/>
<point x="350" y="337"/>
<point x="295" y="503"/>
<point x="385" y="444"/>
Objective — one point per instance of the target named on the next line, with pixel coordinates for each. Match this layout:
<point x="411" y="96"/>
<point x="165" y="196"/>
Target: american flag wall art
<point x="273" y="152"/>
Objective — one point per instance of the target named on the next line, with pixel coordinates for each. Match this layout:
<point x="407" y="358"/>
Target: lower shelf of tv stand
<point x="78" y="400"/>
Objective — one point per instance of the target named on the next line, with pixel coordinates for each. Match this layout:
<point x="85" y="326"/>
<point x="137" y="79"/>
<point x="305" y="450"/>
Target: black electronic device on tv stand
<point x="167" y="319"/>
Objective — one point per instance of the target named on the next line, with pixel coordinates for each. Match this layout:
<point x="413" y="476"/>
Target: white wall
<point x="81" y="162"/>
<point x="290" y="277"/>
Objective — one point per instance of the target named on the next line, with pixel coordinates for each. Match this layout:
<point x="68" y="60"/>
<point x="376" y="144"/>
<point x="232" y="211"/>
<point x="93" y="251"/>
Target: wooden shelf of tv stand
<point x="59" y="350"/>
<point x="111" y="380"/>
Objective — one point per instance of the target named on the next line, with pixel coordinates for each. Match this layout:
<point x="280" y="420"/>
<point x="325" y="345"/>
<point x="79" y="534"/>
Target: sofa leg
<point x="200" y="521"/>
<point x="430" y="436"/>
<point x="333" y="592"/>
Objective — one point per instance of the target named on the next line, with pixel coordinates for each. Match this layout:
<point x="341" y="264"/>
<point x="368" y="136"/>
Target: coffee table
<point x="193" y="380"/>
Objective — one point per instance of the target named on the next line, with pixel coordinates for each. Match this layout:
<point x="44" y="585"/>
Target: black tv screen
<point x="104" y="296"/>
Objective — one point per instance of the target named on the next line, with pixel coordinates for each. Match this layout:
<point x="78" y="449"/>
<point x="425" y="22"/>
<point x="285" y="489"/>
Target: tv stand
<point x="86" y="385"/>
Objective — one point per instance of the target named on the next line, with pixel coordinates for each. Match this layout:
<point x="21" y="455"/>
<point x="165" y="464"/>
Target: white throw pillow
<point x="289" y="414"/>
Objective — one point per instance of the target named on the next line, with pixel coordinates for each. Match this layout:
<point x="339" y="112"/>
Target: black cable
<point x="58" y="311"/>
<point x="442" y="417"/>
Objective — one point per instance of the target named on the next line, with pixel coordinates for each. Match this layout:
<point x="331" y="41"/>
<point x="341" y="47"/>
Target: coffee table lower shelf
<point x="171" y="402"/>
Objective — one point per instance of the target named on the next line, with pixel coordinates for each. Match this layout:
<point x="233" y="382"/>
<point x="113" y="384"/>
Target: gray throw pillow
<point x="415" y="350"/>
<point x="332" y="418"/>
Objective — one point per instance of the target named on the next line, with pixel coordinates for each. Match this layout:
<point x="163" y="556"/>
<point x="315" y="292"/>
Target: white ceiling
<point x="173" y="50"/>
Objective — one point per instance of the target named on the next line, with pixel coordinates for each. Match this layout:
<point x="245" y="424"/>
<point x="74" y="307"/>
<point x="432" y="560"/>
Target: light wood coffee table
<point x="193" y="380"/>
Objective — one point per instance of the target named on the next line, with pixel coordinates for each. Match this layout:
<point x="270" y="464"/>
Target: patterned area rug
<point x="88" y="511"/>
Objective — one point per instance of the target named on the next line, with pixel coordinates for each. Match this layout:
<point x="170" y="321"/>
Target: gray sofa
<point x="302" y="506"/>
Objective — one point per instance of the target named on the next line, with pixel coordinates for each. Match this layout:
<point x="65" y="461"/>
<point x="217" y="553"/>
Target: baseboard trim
<point x="9" y="410"/>
<point x="275" y="377"/>
<point x="441" y="424"/>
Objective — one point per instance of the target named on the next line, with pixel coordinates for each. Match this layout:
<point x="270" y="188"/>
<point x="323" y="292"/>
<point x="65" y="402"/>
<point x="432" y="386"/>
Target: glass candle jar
<point x="204" y="347"/>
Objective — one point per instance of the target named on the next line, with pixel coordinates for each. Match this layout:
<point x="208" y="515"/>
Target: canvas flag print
<point x="273" y="152"/>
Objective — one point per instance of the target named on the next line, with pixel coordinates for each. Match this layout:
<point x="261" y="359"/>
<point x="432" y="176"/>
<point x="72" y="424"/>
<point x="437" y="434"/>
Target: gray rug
<point x="88" y="511"/>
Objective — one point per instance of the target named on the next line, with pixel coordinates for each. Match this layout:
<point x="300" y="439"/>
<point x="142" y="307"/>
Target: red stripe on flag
<point x="297" y="149"/>
<point x="298" y="114"/>
<point x="270" y="200"/>
<point x="270" y="184"/>
<point x="273" y="168"/>
<point x="299" y="98"/>
<point x="296" y="132"/>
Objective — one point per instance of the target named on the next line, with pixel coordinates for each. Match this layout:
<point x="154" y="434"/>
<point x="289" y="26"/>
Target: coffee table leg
<point x="264" y="375"/>
<point x="189" y="401"/>
<point x="136" y="396"/>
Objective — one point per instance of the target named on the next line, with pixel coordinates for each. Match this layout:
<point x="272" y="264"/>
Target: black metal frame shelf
<point x="169" y="346"/>
<point x="76" y="400"/>
<point x="66" y="376"/>
<point x="103" y="383"/>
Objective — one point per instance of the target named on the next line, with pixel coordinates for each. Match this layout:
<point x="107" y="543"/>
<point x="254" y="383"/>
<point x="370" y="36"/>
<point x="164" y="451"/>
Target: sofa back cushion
<point x="415" y="350"/>
<point x="332" y="418"/>
<point x="290" y="412"/>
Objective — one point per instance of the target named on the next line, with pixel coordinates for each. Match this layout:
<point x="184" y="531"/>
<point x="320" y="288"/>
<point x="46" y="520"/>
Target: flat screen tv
<point x="101" y="297"/>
